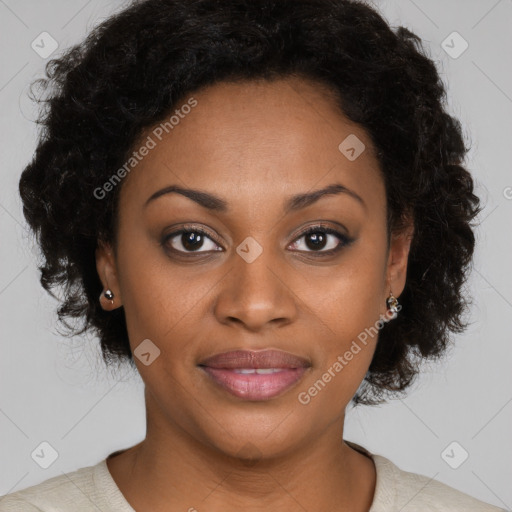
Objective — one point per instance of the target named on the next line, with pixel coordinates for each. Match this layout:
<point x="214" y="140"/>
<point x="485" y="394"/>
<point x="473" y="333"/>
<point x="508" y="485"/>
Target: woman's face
<point x="253" y="280"/>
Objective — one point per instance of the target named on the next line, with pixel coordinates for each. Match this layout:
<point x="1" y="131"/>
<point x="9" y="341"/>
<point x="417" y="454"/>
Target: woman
<point x="235" y="195"/>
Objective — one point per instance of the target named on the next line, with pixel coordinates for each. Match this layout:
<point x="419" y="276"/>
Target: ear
<point x="400" y="245"/>
<point x="107" y="272"/>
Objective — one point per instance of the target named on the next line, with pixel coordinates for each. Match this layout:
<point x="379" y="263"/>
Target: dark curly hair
<point x="135" y="67"/>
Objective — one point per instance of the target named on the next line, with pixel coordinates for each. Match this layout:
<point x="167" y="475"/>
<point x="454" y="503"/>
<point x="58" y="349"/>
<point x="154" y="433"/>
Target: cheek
<point x="155" y="300"/>
<point x="348" y="318"/>
<point x="350" y="298"/>
<point x="346" y="347"/>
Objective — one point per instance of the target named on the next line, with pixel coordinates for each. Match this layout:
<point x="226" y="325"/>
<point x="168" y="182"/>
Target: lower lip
<point x="253" y="386"/>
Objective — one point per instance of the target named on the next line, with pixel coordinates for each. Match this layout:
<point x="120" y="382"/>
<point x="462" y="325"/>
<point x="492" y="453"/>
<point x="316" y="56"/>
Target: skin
<point x="254" y="144"/>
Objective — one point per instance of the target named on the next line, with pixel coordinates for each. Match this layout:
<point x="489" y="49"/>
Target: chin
<point x="255" y="432"/>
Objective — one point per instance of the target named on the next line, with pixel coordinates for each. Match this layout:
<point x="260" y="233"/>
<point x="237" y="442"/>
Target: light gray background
<point x="56" y="390"/>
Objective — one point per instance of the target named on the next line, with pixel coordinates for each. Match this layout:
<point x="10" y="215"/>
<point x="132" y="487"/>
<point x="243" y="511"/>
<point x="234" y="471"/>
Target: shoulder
<point x="397" y="489"/>
<point x="407" y="491"/>
<point x="69" y="491"/>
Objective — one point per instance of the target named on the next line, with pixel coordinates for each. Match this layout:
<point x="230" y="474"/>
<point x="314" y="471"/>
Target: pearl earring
<point x="109" y="295"/>
<point x="392" y="303"/>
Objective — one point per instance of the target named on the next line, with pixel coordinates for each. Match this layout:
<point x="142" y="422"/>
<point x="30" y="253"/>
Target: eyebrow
<point x="293" y="203"/>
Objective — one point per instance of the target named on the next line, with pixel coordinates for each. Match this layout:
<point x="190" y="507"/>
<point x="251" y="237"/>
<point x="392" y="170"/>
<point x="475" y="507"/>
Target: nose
<point x="256" y="295"/>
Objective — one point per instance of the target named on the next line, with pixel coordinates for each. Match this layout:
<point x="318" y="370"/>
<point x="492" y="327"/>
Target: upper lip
<point x="255" y="359"/>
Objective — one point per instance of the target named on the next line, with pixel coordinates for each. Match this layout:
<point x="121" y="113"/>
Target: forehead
<point x="256" y="142"/>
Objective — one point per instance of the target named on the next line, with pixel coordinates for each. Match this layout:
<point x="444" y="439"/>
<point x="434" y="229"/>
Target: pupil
<point x="317" y="240"/>
<point x="192" y="241"/>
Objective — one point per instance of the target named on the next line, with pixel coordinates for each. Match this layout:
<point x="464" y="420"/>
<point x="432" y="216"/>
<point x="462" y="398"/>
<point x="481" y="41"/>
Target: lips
<point x="255" y="359"/>
<point x="251" y="375"/>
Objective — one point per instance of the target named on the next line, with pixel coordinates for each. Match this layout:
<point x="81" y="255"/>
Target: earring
<point x="109" y="295"/>
<point x="392" y="304"/>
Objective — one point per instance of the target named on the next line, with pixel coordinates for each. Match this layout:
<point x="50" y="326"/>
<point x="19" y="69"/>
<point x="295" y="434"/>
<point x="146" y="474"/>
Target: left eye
<point x="317" y="240"/>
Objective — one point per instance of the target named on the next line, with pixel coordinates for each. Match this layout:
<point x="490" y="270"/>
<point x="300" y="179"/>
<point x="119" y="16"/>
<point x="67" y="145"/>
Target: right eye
<point x="189" y="240"/>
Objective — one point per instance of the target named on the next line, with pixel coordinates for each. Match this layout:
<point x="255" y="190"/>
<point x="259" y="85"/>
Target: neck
<point x="174" y="468"/>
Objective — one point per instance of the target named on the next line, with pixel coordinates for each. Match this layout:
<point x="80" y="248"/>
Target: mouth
<point x="259" y="375"/>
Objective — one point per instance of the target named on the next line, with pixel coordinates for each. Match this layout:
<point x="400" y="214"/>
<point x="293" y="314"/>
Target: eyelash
<point x="345" y="241"/>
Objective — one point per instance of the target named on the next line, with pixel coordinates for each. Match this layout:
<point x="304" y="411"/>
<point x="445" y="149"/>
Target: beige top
<point x="93" y="488"/>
